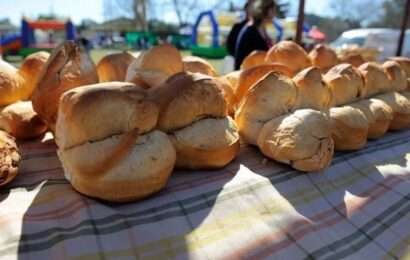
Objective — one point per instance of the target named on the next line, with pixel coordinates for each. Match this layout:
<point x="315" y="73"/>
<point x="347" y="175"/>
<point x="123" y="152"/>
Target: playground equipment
<point x="209" y="32"/>
<point x="25" y="43"/>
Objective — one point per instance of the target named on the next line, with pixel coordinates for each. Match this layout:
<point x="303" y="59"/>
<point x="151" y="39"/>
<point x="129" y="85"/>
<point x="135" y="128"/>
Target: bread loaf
<point x="312" y="90"/>
<point x="9" y="158"/>
<point x="345" y="83"/>
<point x="375" y="80"/>
<point x="20" y="120"/>
<point x="396" y="76"/>
<point x="68" y="67"/>
<point x="113" y="67"/>
<point x="255" y="58"/>
<point x="323" y="57"/>
<point x="195" y="64"/>
<point x="124" y="160"/>
<point x="349" y="128"/>
<point x="289" y="54"/>
<point x="301" y="139"/>
<point x="19" y="84"/>
<point x="154" y="66"/>
<point x="272" y="96"/>
<point x="401" y="109"/>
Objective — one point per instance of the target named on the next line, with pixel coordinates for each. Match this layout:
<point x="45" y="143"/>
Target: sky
<point x="78" y="10"/>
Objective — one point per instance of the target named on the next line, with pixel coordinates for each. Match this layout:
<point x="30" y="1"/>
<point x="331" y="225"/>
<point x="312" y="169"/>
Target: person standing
<point x="253" y="35"/>
<point x="236" y="28"/>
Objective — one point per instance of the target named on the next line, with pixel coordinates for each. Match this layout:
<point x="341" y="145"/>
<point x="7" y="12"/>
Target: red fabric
<point x="46" y="25"/>
<point x="314" y="33"/>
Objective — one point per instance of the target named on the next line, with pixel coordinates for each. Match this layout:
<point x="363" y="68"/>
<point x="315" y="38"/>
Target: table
<point x="359" y="208"/>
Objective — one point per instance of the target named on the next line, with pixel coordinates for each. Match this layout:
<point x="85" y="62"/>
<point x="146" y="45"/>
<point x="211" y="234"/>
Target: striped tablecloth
<point x="359" y="208"/>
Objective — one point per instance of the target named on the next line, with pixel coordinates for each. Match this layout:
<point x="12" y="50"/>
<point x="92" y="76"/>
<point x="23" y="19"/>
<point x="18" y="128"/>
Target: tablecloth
<point x="359" y="208"/>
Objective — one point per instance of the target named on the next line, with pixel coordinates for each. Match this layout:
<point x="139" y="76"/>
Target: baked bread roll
<point x="113" y="67"/>
<point x="312" y="90"/>
<point x="404" y="63"/>
<point x="185" y="101"/>
<point x="154" y="66"/>
<point x="401" y="109"/>
<point x="301" y="139"/>
<point x="121" y="161"/>
<point x="396" y="75"/>
<point x="272" y="96"/>
<point x="20" y="120"/>
<point x="356" y="60"/>
<point x="345" y="83"/>
<point x="349" y="128"/>
<point x="323" y="57"/>
<point x="233" y="78"/>
<point x="255" y="58"/>
<point x="375" y="80"/>
<point x="19" y="84"/>
<point x="289" y="54"/>
<point x="68" y="67"/>
<point x="250" y="76"/>
<point x="229" y="94"/>
<point x="378" y="114"/>
<point x="9" y="158"/>
<point x="195" y="64"/>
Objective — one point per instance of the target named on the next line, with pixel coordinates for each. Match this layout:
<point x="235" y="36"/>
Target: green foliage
<point x="392" y="14"/>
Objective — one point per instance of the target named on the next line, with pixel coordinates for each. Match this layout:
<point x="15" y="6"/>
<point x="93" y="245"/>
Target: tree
<point x="392" y="14"/>
<point x="137" y="9"/>
<point x="356" y="13"/>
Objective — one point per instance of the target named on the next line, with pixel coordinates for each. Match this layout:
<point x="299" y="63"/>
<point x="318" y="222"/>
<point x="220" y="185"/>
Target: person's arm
<point x="231" y="40"/>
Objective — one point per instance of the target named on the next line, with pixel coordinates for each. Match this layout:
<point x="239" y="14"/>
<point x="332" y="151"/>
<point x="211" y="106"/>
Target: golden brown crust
<point x="345" y="83"/>
<point x="289" y="54"/>
<point x="249" y="77"/>
<point x="312" y="90"/>
<point x="323" y="57"/>
<point x="84" y="112"/>
<point x="9" y="158"/>
<point x="356" y="60"/>
<point x="185" y="98"/>
<point x="20" y="120"/>
<point x="396" y="75"/>
<point x="68" y="67"/>
<point x="154" y="66"/>
<point x="400" y="105"/>
<point x="375" y="80"/>
<point x="255" y="58"/>
<point x="113" y="67"/>
<point x="404" y="63"/>
<point x="195" y="64"/>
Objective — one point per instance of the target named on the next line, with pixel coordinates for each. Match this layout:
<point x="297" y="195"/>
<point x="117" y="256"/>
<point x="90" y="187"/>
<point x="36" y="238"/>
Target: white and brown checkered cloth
<point x="359" y="208"/>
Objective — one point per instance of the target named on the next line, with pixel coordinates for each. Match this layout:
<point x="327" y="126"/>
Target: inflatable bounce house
<point x="25" y="43"/>
<point x="210" y="32"/>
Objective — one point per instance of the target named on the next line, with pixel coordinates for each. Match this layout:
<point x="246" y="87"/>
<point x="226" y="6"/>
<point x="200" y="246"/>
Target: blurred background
<point x="195" y="27"/>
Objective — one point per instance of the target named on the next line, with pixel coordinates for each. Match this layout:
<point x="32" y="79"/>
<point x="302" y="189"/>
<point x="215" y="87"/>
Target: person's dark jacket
<point x="233" y="36"/>
<point x="249" y="40"/>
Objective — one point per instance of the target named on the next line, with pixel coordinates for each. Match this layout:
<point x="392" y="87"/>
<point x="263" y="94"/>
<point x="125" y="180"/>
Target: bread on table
<point x="20" y="120"/>
<point x="68" y="67"/>
<point x="378" y="114"/>
<point x="9" y="158"/>
<point x="404" y="62"/>
<point x="123" y="160"/>
<point x="323" y="57"/>
<point x="375" y="80"/>
<point x="290" y="54"/>
<point x="19" y="84"/>
<point x="233" y="78"/>
<point x="255" y="58"/>
<point x="396" y="76"/>
<point x="272" y="96"/>
<point x="195" y="64"/>
<point x="301" y="139"/>
<point x="194" y="113"/>
<point x="349" y="128"/>
<point x="356" y="60"/>
<point x="229" y="94"/>
<point x="113" y="67"/>
<point x="345" y="83"/>
<point x="401" y="109"/>
<point x="154" y="66"/>
<point x="252" y="75"/>
<point x="312" y="90"/>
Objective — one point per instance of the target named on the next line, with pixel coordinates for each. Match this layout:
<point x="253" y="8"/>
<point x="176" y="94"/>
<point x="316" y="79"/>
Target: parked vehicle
<point x="383" y="39"/>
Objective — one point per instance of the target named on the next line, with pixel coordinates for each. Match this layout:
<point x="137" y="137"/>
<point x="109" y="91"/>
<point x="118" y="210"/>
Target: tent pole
<point x="301" y="18"/>
<point x="403" y="28"/>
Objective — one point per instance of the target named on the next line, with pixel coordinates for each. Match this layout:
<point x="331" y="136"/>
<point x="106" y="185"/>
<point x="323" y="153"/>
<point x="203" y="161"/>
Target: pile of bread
<point x="123" y="125"/>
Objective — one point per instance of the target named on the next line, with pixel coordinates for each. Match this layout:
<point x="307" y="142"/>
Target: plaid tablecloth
<point x="359" y="208"/>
